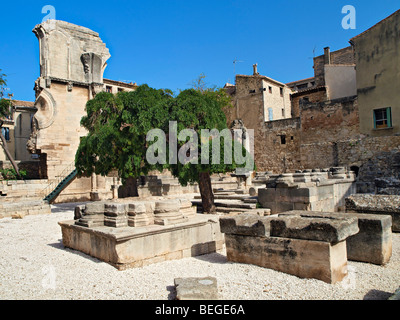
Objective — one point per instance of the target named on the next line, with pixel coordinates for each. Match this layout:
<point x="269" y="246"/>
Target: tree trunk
<point x="207" y="196"/>
<point x="3" y="140"/>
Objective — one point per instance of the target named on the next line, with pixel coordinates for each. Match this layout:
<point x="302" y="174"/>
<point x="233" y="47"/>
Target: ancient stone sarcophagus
<point x="303" y="246"/>
<point x="140" y="233"/>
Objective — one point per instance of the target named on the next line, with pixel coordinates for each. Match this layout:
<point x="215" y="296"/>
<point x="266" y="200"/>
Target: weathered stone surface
<point x="115" y="215"/>
<point x="298" y="225"/>
<point x="246" y="224"/>
<point x="167" y="212"/>
<point x="376" y="204"/>
<point x="137" y="216"/>
<point x="302" y="258"/>
<point x="128" y="247"/>
<point x="196" y="288"/>
<point x="78" y="211"/>
<point x="94" y="208"/>
<point x="92" y="215"/>
<point x="373" y="242"/>
<point x="396" y="295"/>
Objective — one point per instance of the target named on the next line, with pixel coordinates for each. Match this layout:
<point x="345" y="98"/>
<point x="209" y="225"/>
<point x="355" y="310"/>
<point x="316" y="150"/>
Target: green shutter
<point x="389" y="116"/>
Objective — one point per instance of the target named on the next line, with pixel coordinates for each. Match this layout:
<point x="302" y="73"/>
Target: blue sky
<point x="167" y="44"/>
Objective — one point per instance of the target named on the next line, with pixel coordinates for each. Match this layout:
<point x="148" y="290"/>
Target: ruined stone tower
<point x="72" y="63"/>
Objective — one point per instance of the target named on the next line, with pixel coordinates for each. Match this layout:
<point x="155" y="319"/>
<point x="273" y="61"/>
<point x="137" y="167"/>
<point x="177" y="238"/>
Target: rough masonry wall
<point x="342" y="56"/>
<point x="323" y="126"/>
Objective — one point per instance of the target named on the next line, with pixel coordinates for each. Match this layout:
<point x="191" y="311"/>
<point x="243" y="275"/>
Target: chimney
<point x="327" y="53"/>
<point x="255" y="73"/>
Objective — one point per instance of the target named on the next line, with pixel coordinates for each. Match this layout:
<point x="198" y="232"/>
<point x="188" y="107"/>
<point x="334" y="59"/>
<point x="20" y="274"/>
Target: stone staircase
<point x="233" y="201"/>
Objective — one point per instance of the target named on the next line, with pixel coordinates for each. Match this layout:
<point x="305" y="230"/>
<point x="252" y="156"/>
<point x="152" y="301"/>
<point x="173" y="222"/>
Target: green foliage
<point x="117" y="126"/>
<point x="4" y="103"/>
<point x="11" y="174"/>
<point x="3" y="84"/>
<point x="197" y="110"/>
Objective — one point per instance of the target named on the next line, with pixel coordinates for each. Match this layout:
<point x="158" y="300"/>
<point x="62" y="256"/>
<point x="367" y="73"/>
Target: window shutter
<point x="373" y="112"/>
<point x="389" y="116"/>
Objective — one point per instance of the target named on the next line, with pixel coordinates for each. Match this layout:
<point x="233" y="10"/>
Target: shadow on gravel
<point x="59" y="245"/>
<point x="62" y="207"/>
<point x="377" y="295"/>
<point x="172" y="292"/>
<point x="213" y="258"/>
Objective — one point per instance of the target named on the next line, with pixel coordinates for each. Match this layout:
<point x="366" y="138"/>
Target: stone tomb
<point x="313" y="191"/>
<point x="373" y="242"/>
<point x="308" y="244"/>
<point x="377" y="204"/>
<point x="140" y="233"/>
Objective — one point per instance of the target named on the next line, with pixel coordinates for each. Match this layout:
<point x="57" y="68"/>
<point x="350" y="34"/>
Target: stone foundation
<point x="105" y="231"/>
<point x="373" y="242"/>
<point x="314" y="191"/>
<point x="307" y="247"/>
<point x="376" y="204"/>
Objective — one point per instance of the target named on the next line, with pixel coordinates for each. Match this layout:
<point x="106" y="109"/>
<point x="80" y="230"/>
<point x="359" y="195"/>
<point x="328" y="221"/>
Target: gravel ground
<point x="35" y="265"/>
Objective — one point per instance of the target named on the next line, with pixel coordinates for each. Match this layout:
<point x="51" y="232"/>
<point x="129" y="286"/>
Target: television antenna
<point x="234" y="65"/>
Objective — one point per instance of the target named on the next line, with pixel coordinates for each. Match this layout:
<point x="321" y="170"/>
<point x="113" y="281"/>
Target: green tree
<point x="5" y="107"/>
<point x="198" y="109"/>
<point x="117" y="126"/>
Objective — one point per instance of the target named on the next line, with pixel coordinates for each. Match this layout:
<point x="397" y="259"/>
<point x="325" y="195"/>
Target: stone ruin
<point x="133" y="234"/>
<point x="303" y="236"/>
<point x="313" y="190"/>
<point x="308" y="244"/>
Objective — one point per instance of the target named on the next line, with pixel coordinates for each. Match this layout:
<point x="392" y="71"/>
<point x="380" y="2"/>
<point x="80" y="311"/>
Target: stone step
<point x="233" y="204"/>
<point x="234" y="196"/>
<point x="23" y="208"/>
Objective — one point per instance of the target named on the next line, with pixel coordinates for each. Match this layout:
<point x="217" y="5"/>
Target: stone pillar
<point x="92" y="215"/>
<point x="137" y="216"/>
<point x="115" y="215"/>
<point x="167" y="212"/>
<point x="187" y="208"/>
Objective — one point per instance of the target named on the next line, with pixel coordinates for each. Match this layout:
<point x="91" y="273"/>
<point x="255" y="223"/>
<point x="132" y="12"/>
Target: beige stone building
<point x="72" y="63"/>
<point x="256" y="94"/>
<point x="378" y="70"/>
<point x="346" y="115"/>
<point x="17" y="129"/>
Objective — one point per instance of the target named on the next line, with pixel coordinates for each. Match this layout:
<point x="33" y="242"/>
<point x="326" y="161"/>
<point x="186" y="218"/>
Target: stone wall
<point x="315" y="191"/>
<point x="342" y="56"/>
<point x="277" y="146"/>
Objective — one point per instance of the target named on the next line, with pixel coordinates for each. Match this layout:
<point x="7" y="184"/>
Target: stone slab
<point x="302" y="258"/>
<point x="294" y="225"/>
<point x="373" y="242"/>
<point x="376" y="204"/>
<point x="396" y="295"/>
<point x="245" y="224"/>
<point x="128" y="247"/>
<point x="314" y="226"/>
<point x="193" y="288"/>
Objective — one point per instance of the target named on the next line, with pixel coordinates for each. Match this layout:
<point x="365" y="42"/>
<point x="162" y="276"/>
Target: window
<point x="270" y="89"/>
<point x="252" y="91"/>
<point x="270" y="114"/>
<point x="120" y="90"/>
<point x="283" y="112"/>
<point x="109" y="89"/>
<point x="281" y="91"/>
<point x="283" y="139"/>
<point x="6" y="133"/>
<point x="383" y="118"/>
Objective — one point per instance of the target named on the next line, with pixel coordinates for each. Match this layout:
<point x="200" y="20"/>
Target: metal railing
<point x="58" y="179"/>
